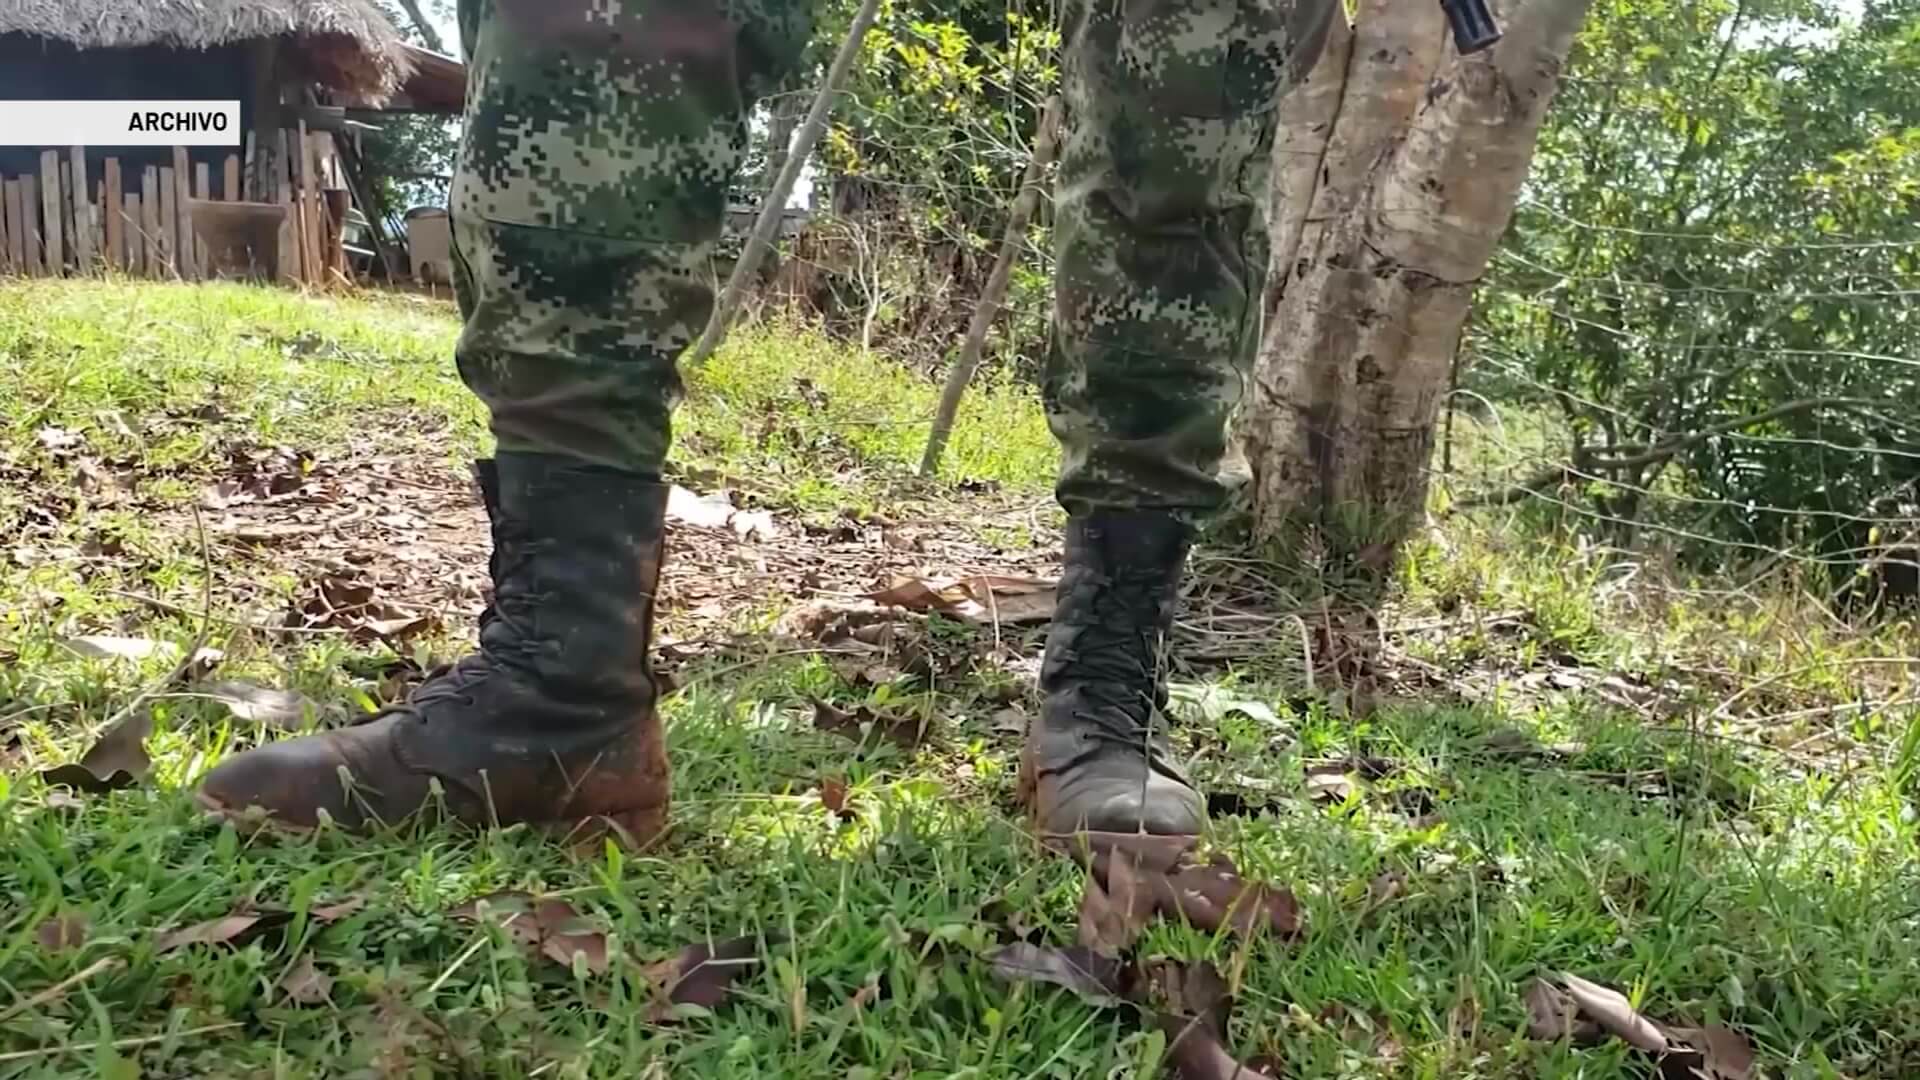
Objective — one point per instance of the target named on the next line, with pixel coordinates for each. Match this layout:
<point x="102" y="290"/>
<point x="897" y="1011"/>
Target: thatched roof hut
<point x="347" y="46"/>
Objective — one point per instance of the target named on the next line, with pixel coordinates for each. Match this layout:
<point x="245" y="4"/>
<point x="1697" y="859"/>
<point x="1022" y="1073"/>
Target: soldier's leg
<point x="600" y="139"/>
<point x="1161" y="248"/>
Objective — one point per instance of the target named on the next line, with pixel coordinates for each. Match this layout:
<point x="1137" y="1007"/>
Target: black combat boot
<point x="1097" y="758"/>
<point x="552" y="722"/>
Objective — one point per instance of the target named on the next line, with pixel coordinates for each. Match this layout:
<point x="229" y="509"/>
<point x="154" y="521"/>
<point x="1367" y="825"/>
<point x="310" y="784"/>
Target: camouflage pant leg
<point x="1160" y="237"/>
<point x="591" y="185"/>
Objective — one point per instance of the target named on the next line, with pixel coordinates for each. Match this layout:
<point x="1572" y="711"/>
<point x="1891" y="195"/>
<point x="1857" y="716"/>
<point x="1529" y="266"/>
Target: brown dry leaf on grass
<point x="833" y="796"/>
<point x="700" y="976"/>
<point x="305" y="984"/>
<point x="341" y="603"/>
<point x="863" y="724"/>
<point x="63" y="932"/>
<point x="984" y="599"/>
<point x="235" y="929"/>
<point x="1583" y="1012"/>
<point x="118" y="760"/>
<point x="543" y="926"/>
<point x="275" y="710"/>
<point x="1154" y="871"/>
<point x="1098" y="980"/>
<point x="1191" y="1004"/>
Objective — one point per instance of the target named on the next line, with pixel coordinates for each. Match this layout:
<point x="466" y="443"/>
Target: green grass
<point x="1766" y="879"/>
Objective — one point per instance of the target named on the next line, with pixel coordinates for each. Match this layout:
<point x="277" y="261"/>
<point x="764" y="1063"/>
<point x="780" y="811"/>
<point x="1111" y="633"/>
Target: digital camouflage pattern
<point x="591" y="187"/>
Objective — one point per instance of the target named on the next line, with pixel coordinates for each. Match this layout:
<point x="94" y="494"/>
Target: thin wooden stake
<point x="775" y="207"/>
<point x="50" y="235"/>
<point x="135" y="226"/>
<point x="111" y="198"/>
<point x="169" y="223"/>
<point x="315" y="214"/>
<point x="84" y="222"/>
<point x="1046" y="140"/>
<point x="8" y="258"/>
<point x="30" y="214"/>
<point x="203" y="191"/>
<point x="185" y="262"/>
<point x="151" y="238"/>
<point x="230" y="177"/>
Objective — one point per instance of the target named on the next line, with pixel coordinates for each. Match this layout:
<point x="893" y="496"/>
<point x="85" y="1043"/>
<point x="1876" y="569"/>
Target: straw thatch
<point x="346" y="45"/>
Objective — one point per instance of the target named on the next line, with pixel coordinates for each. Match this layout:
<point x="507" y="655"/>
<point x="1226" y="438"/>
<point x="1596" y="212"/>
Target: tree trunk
<point x="1394" y="177"/>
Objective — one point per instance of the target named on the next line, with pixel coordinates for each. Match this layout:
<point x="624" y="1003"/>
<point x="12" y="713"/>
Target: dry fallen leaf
<point x="1095" y="978"/>
<point x="1116" y="905"/>
<point x="276" y="710"/>
<point x="1553" y="1015"/>
<point x="984" y="600"/>
<point x="305" y="984"/>
<point x="108" y="647"/>
<point x="1615" y="1014"/>
<point x="63" y="932"/>
<point x="118" y="760"/>
<point x="701" y="975"/>
<point x="833" y="796"/>
<point x="1681" y="1053"/>
<point x="333" y="913"/>
<point x="233" y="929"/>
<point x="544" y="926"/>
<point x="863" y="724"/>
<point x="1210" y="897"/>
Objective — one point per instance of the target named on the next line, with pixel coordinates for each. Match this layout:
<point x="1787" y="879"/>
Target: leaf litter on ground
<point x="863" y="724"/>
<point x="542" y="926"/>
<point x="118" y="760"/>
<point x="1131" y="878"/>
<point x="984" y="599"/>
<point x="63" y="932"/>
<point x="1584" y="1012"/>
<point x="699" y="977"/>
<point x="275" y="710"/>
<point x="305" y="984"/>
<point x="235" y="929"/>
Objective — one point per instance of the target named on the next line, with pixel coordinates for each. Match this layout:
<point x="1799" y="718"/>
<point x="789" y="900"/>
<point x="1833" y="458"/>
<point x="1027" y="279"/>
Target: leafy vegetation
<point x="1712" y="278"/>
<point x="1705" y="800"/>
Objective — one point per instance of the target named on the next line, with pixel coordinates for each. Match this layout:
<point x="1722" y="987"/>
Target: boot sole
<point x="636" y="831"/>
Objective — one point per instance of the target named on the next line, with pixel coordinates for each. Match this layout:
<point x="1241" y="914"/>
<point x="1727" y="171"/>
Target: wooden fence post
<point x="111" y="198"/>
<point x="83" y="222"/>
<point x="30" y="214"/>
<point x="50" y="211"/>
<point x="184" y="261"/>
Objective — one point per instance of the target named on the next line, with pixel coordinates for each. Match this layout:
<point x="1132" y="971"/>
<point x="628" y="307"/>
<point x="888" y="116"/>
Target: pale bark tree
<point x="1396" y="170"/>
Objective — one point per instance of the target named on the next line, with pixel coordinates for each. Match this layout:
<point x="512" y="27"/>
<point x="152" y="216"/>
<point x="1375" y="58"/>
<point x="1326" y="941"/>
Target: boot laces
<point x="1117" y="656"/>
<point x="512" y="610"/>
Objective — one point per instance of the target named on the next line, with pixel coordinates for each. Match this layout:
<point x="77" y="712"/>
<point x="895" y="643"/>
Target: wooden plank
<point x="202" y="190"/>
<point x="68" y="235"/>
<point x="167" y="222"/>
<point x="310" y="208"/>
<point x="184" y="261"/>
<point x="7" y="257"/>
<point x="150" y="222"/>
<point x="296" y="195"/>
<point x="230" y="177"/>
<point x="83" y="216"/>
<point x="136" y="235"/>
<point x="112" y="197"/>
<point x="53" y="243"/>
<point x="30" y="213"/>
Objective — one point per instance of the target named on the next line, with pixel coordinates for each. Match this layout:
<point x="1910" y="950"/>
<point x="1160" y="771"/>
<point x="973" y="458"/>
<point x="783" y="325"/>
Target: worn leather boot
<point x="1097" y="758"/>
<point x="551" y="722"/>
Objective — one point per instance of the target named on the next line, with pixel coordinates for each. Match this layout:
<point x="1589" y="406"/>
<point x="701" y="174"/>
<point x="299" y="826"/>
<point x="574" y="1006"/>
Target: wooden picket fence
<point x="77" y="217"/>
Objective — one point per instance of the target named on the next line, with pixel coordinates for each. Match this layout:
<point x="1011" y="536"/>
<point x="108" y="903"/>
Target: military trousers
<point x="591" y="187"/>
